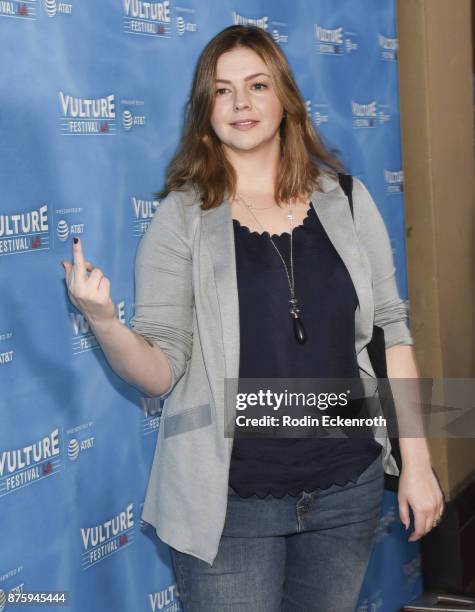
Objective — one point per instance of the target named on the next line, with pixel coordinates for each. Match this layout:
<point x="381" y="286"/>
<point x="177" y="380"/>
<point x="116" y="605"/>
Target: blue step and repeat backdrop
<point x="92" y="101"/>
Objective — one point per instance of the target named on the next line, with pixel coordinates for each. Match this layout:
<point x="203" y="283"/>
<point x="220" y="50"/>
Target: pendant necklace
<point x="299" y="329"/>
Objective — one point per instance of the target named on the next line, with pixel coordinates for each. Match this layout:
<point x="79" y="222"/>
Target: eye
<point x="261" y="86"/>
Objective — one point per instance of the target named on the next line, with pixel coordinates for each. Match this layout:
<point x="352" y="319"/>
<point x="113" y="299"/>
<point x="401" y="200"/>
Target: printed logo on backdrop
<point x="166" y="600"/>
<point x="24" y="232"/>
<point x="87" y="116"/>
<point x="53" y="8"/>
<point x="334" y="41"/>
<point x="260" y="22"/>
<point x="273" y="27"/>
<point x="277" y="34"/>
<point x="6" y="353"/>
<point x="147" y="18"/>
<point x="67" y="227"/>
<point x="183" y="24"/>
<point x="133" y="116"/>
<point x="393" y="181"/>
<point x="101" y="541"/>
<point x="79" y="441"/>
<point x="18" y="10"/>
<point x="152" y="408"/>
<point x="392" y="241"/>
<point x="83" y="340"/>
<point x="369" y="115"/>
<point x="319" y="114"/>
<point x="24" y="466"/>
<point x="388" y="48"/>
<point x="143" y="211"/>
<point x="16" y="588"/>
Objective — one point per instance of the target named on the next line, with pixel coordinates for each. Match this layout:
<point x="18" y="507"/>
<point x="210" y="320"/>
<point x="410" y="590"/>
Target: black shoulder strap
<point x="346" y="183"/>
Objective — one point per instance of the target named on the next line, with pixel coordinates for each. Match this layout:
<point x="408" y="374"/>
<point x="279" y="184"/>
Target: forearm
<point x="131" y="356"/>
<point x="401" y="363"/>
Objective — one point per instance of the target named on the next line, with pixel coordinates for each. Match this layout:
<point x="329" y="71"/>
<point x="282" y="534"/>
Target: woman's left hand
<point x="419" y="489"/>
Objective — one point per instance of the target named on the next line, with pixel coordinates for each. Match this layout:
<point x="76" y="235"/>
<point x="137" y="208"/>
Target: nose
<point x="241" y="105"/>
<point x="241" y="101"/>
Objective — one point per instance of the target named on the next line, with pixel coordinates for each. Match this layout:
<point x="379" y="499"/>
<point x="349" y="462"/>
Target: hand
<point x="419" y="489"/>
<point x="90" y="294"/>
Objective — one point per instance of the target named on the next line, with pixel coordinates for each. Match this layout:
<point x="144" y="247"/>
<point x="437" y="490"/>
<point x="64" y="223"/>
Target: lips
<point x="244" y="125"/>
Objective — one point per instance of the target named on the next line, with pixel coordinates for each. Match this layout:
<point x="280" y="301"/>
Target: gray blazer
<point x="187" y="302"/>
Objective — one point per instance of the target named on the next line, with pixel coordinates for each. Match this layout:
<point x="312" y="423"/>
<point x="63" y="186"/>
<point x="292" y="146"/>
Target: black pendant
<point x="299" y="330"/>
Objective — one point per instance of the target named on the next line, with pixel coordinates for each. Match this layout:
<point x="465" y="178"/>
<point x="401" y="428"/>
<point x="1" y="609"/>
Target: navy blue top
<point x="268" y="348"/>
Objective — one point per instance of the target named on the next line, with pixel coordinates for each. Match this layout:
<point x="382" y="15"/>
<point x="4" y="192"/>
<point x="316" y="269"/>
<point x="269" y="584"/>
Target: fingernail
<point x="75" y="239"/>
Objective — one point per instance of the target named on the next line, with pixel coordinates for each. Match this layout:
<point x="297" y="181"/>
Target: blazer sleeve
<point x="390" y="311"/>
<point x="163" y="309"/>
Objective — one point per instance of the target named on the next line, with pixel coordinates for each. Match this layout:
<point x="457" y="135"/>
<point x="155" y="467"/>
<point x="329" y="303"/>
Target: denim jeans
<point x="294" y="554"/>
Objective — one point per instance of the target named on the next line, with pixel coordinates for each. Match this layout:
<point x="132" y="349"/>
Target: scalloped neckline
<point x="264" y="233"/>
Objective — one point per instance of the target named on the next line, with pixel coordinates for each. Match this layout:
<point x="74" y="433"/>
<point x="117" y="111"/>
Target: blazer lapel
<point x="218" y="232"/>
<point x="334" y="213"/>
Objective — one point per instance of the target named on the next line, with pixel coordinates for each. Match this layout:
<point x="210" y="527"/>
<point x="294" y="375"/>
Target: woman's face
<point x="244" y="91"/>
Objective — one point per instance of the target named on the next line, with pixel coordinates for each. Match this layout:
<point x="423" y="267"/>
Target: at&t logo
<point x="75" y="447"/>
<point x="52" y="7"/>
<point x="183" y="26"/>
<point x="130" y="117"/>
<point x="63" y="230"/>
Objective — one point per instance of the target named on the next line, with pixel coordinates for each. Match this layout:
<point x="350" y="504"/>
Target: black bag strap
<point x="377" y="354"/>
<point x="346" y="183"/>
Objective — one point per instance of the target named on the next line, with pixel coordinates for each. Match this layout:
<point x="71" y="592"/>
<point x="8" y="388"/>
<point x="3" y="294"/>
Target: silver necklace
<point x="299" y="329"/>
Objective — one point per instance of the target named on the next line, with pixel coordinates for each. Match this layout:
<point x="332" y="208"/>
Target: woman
<point x="253" y="268"/>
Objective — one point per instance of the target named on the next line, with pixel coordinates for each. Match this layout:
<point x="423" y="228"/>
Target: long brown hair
<point x="200" y="161"/>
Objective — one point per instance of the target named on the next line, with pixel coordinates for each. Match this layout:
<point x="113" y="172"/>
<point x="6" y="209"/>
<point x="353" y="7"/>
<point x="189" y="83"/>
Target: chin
<point x="247" y="144"/>
<point x="245" y="147"/>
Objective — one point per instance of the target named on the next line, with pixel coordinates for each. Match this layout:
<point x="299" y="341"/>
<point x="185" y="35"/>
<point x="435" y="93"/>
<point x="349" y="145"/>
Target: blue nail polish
<point x="76" y="240"/>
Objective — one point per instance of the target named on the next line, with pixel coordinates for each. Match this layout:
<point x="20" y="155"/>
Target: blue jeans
<point x="305" y="554"/>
